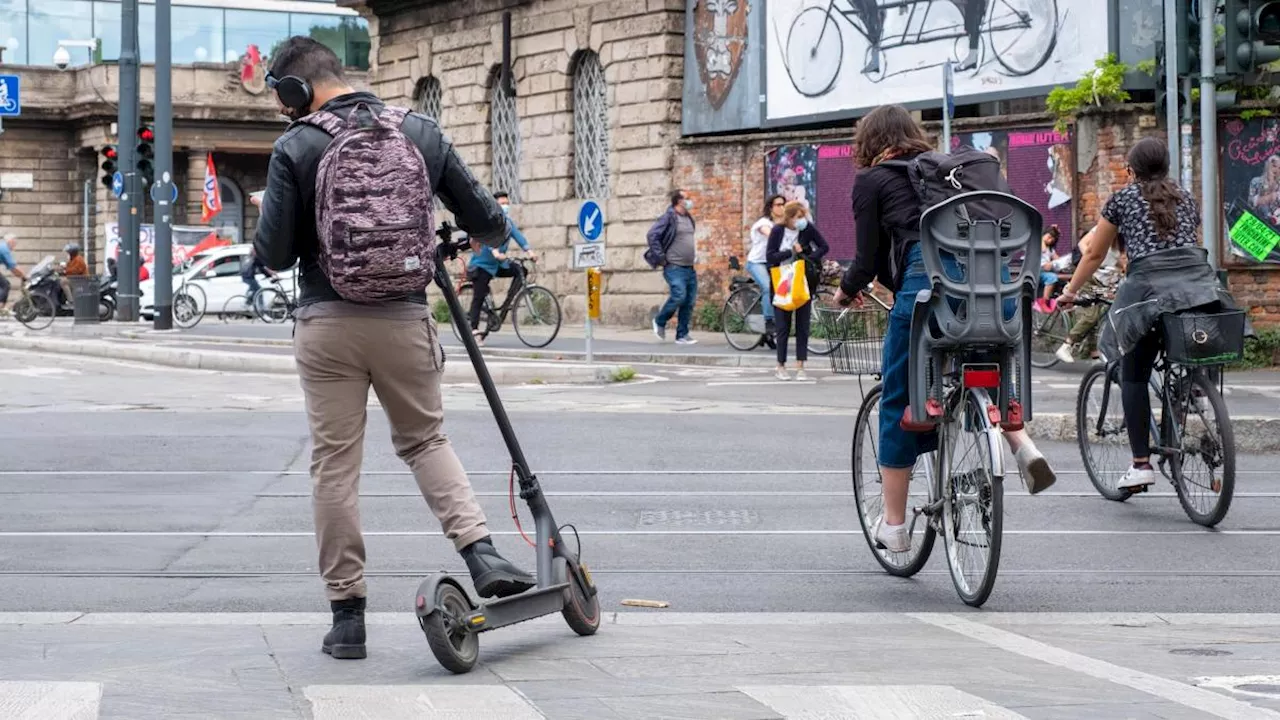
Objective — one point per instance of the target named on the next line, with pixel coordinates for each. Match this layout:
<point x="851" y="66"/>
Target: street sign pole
<point x="590" y="256"/>
<point x="163" y="318"/>
<point x="948" y="100"/>
<point x="1210" y="207"/>
<point x="130" y="200"/>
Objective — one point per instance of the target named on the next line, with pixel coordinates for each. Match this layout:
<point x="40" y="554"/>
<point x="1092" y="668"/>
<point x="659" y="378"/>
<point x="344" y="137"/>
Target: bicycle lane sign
<point x="10" y="96"/>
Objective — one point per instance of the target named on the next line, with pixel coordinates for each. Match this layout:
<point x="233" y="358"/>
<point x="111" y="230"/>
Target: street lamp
<point x="62" y="56"/>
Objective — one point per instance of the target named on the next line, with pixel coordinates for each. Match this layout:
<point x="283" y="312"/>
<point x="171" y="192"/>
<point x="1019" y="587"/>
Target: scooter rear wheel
<point x="581" y="608"/>
<point x="455" y="647"/>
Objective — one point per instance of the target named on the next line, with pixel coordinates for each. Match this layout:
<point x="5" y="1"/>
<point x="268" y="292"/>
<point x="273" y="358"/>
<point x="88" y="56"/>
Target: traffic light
<point x="1188" y="34"/>
<point x="146" y="155"/>
<point x="1252" y="34"/>
<point x="110" y="164"/>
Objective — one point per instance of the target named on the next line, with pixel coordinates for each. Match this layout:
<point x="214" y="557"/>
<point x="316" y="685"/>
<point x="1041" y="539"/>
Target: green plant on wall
<point x="1104" y="85"/>
<point x="1147" y="66"/>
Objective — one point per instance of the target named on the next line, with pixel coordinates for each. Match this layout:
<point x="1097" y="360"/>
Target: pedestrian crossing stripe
<point x="81" y="701"/>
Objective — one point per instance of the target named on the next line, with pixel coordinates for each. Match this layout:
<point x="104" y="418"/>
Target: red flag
<point x="212" y="201"/>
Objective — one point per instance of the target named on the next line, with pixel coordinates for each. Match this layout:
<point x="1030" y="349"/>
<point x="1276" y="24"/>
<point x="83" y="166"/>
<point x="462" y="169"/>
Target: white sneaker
<point x="1036" y="473"/>
<point x="659" y="330"/>
<point x="801" y="375"/>
<point x="893" y="538"/>
<point x="782" y="374"/>
<point x="1137" y="479"/>
<point x="1063" y="353"/>
<point x="686" y="340"/>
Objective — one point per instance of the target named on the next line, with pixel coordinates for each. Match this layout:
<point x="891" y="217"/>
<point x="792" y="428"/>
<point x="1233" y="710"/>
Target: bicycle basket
<point x="856" y="338"/>
<point x="1204" y="338"/>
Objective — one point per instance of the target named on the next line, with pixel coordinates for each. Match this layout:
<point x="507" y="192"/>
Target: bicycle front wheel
<point x="972" y="490"/>
<point x="1204" y="473"/>
<point x="1101" y="433"/>
<point x="271" y="306"/>
<point x="35" y="310"/>
<point x="869" y="500"/>
<point x="536" y="316"/>
<point x="741" y="311"/>
<point x="187" y="311"/>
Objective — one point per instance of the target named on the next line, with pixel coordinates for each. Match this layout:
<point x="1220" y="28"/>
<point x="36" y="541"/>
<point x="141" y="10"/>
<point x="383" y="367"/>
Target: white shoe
<point x="1063" y="353"/>
<point x="801" y="375"/>
<point x="893" y="538"/>
<point x="1137" y="479"/>
<point x="782" y="374"/>
<point x="686" y="340"/>
<point x="659" y="330"/>
<point x="1036" y="473"/>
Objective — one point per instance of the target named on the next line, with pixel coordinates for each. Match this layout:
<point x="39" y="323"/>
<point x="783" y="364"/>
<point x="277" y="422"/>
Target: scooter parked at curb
<point x="450" y="618"/>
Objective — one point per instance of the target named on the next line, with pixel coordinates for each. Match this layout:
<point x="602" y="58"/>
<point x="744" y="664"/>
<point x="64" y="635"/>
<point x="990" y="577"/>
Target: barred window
<point x="504" y="138"/>
<point x="428" y="97"/>
<point x="590" y="128"/>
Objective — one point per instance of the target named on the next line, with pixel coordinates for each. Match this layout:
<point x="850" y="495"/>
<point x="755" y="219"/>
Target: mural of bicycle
<point x="1020" y="35"/>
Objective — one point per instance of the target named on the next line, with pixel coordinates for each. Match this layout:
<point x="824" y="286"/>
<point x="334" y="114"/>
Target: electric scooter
<point x="450" y="618"/>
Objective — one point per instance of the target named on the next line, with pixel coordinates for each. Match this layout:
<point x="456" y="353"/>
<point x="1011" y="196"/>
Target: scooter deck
<point x="527" y="605"/>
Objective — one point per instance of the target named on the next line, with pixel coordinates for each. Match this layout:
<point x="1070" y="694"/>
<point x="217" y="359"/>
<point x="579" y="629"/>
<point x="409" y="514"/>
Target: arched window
<point x="504" y="137"/>
<point x="590" y="128"/>
<point x="428" y="97"/>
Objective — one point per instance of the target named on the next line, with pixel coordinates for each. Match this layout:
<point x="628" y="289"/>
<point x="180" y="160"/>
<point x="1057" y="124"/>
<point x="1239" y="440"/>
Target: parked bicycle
<point x="534" y="310"/>
<point x="742" y="318"/>
<point x="1192" y="435"/>
<point x="189" y="304"/>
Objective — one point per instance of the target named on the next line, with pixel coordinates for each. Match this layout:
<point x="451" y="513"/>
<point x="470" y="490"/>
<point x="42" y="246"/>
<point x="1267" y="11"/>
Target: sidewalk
<point x="650" y="666"/>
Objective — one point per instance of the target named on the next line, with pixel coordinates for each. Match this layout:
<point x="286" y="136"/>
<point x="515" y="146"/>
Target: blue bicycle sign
<point x="10" y="96"/>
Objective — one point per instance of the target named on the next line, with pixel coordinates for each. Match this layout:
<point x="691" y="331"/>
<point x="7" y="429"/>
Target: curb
<point x="455" y="372"/>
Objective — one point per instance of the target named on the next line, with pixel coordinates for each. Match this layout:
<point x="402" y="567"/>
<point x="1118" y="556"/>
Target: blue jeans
<point x="900" y="448"/>
<point x="760" y="273"/>
<point x="1048" y="279"/>
<point x="683" y="282"/>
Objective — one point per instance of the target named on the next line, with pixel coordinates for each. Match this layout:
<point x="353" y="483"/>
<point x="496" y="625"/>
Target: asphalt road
<point x="130" y="488"/>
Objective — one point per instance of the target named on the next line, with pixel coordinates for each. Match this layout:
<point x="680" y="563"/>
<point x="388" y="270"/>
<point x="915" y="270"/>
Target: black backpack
<point x="938" y="177"/>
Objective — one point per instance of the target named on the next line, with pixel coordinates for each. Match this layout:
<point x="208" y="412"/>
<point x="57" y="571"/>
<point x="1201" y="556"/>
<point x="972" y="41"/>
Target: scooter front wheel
<point x="455" y="647"/>
<point x="581" y="606"/>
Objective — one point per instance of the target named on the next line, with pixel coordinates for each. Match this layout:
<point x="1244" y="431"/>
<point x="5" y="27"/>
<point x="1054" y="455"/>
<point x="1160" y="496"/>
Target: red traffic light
<point x="146" y="134"/>
<point x="109" y="152"/>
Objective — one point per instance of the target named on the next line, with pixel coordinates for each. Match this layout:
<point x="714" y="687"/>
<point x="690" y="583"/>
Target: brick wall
<point x="48" y="216"/>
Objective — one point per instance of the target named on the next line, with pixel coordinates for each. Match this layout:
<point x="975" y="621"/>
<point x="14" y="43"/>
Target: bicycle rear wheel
<point x="465" y="294"/>
<point x="1047" y="333"/>
<point x="536" y="316"/>
<point x="1204" y="473"/>
<point x="869" y="502"/>
<point x="35" y="310"/>
<point x="1105" y="450"/>
<point x="741" y="311"/>
<point x="972" y="490"/>
<point x="271" y="305"/>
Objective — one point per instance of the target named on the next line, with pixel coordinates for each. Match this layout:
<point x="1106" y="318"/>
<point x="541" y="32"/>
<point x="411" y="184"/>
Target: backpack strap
<point x="326" y="121"/>
<point x="393" y="116"/>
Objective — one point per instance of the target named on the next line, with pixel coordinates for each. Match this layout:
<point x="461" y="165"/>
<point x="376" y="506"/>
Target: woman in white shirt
<point x="757" y="264"/>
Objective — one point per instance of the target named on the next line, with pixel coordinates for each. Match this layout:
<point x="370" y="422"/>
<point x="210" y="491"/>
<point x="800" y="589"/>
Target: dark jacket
<point x="814" y="248"/>
<point x="287" y="226"/>
<point x="661" y="235"/>
<point x="1169" y="281"/>
<point x="886" y="209"/>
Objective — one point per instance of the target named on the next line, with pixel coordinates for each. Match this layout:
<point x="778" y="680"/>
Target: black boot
<point x="492" y="574"/>
<point x="345" y="640"/>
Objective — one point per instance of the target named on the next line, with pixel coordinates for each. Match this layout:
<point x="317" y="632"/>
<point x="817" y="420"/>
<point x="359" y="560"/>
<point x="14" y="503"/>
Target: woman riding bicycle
<point x="887" y="212"/>
<point x="1157" y="224"/>
<point x="757" y="258"/>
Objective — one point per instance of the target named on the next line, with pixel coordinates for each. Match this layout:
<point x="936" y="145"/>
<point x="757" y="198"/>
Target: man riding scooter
<point x="75" y="266"/>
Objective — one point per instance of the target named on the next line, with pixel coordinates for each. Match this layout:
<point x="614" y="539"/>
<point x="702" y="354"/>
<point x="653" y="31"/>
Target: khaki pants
<point x="339" y="359"/>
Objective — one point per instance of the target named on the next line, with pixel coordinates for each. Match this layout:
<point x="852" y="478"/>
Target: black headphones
<point x="294" y="92"/>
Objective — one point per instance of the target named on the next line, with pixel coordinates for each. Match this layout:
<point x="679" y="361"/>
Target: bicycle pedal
<point x="1139" y="490"/>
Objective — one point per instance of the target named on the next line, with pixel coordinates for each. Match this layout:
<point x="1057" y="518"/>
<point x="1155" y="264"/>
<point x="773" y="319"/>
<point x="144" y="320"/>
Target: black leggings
<point x="782" y="323"/>
<point x="480" y="280"/>
<point x="1135" y="373"/>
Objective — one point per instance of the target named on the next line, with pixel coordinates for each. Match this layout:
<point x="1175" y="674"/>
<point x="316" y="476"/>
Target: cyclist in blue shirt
<point x="7" y="246"/>
<point x="488" y="263"/>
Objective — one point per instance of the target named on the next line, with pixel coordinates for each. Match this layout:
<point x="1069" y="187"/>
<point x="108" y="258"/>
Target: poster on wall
<point x="841" y="58"/>
<point x="188" y="241"/>
<point x="1037" y="162"/>
<point x="792" y="172"/>
<point x="721" y="38"/>
<point x="1251" y="190"/>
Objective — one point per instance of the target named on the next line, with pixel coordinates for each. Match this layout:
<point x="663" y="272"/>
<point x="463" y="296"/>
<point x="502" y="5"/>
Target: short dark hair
<point x="501" y="194"/>
<point x="308" y="59"/>
<point x="676" y="196"/>
<point x="768" y="204"/>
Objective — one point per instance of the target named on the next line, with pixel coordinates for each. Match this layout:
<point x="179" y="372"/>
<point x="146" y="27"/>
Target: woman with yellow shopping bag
<point x="794" y="254"/>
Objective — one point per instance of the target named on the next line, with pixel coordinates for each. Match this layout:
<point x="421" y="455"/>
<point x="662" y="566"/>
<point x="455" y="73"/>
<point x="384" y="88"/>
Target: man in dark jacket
<point x="672" y="247"/>
<point x="343" y="348"/>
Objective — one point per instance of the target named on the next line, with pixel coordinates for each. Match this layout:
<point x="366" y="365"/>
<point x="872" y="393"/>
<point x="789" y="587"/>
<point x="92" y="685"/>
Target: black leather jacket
<point x="287" y="226"/>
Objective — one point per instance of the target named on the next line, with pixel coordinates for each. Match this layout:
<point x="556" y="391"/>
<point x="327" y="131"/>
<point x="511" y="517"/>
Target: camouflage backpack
<point x="374" y="215"/>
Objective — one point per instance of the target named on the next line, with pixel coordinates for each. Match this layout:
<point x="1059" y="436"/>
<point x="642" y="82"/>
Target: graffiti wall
<point x="1251" y="190"/>
<point x="844" y="57"/>
<point x="1037" y="163"/>
<point x="721" y="38"/>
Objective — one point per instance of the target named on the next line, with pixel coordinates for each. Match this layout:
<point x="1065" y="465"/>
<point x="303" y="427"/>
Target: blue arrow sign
<point x="117" y="184"/>
<point x="155" y="193"/>
<point x="591" y="221"/>
<point x="10" y="96"/>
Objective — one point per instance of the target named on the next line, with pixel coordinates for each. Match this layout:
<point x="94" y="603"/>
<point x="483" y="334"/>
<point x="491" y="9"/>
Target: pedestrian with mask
<point x="672" y="247"/>
<point x="796" y="238"/>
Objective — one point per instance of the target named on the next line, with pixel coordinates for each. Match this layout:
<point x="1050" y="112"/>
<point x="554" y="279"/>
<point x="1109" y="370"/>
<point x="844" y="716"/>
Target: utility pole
<point x="1171" y="40"/>
<point x="164" y="191"/>
<point x="127" y="128"/>
<point x="1211" y="209"/>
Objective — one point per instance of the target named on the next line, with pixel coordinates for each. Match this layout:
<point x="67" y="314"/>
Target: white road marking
<point x="50" y="700"/>
<point x="875" y="702"/>
<point x="419" y="702"/>
<point x="1243" y="684"/>
<point x="727" y="383"/>
<point x="596" y="533"/>
<point x="1205" y="701"/>
<point x="39" y="371"/>
<point x="729" y="494"/>
<point x="565" y="473"/>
